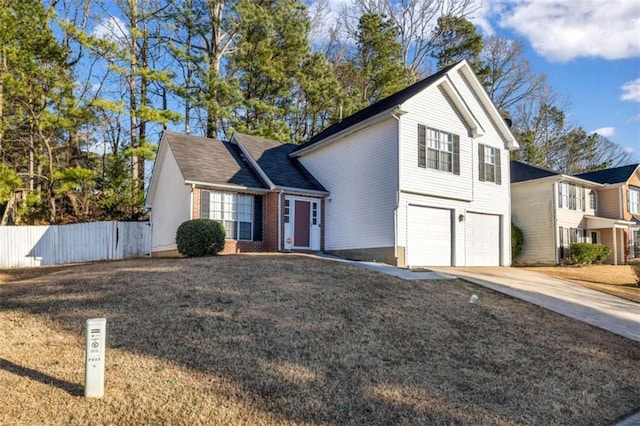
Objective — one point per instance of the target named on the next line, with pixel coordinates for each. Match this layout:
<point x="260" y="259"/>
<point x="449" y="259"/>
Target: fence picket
<point x="23" y="246"/>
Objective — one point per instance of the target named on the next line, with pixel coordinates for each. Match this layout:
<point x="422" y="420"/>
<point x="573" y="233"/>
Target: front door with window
<point x="301" y="223"/>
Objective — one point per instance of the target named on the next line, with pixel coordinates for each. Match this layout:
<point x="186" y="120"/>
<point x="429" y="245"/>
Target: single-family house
<point x="554" y="210"/>
<point x="619" y="198"/>
<point x="247" y="184"/>
<point x="416" y="179"/>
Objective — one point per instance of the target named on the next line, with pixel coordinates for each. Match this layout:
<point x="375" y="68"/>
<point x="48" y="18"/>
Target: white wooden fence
<point x="22" y="246"/>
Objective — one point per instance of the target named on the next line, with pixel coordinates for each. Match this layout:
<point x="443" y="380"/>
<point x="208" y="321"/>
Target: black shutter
<point x="257" y="218"/>
<point x="422" y="146"/>
<point x="204" y="204"/>
<point x="456" y="154"/>
<point x="498" y="168"/>
<point x="481" y="162"/>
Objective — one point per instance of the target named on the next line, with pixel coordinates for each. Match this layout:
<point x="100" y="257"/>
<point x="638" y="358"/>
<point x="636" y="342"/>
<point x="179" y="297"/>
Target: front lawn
<point x="618" y="280"/>
<point x="297" y="340"/>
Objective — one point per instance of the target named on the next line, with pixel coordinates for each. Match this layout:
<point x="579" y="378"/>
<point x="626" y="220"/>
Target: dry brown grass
<point x="618" y="280"/>
<point x="297" y="340"/>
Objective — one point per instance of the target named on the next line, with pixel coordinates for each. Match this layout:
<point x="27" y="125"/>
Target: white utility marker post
<point x="94" y="360"/>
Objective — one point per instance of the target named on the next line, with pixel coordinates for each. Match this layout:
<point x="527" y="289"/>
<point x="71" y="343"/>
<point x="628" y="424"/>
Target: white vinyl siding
<point x="361" y="174"/>
<point x="433" y="112"/>
<point x="171" y="201"/>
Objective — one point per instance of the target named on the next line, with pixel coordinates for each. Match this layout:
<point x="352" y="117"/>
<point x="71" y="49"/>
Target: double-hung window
<point x="489" y="164"/>
<point x="235" y="211"/>
<point x="633" y="196"/>
<point x="438" y="150"/>
<point x="571" y="197"/>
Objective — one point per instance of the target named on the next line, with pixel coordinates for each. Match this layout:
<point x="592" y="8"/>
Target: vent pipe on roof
<point x="507" y="118"/>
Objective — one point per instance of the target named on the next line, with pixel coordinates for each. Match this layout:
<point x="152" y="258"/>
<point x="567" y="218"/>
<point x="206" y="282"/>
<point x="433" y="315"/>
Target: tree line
<point x="86" y="86"/>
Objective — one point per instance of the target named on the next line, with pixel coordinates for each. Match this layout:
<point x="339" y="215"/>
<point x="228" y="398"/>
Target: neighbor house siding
<point x="609" y="203"/>
<point x="532" y="212"/>
<point x="361" y="174"/>
<point x="171" y="204"/>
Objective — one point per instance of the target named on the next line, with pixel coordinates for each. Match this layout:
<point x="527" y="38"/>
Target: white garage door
<point x="429" y="237"/>
<point x="483" y="240"/>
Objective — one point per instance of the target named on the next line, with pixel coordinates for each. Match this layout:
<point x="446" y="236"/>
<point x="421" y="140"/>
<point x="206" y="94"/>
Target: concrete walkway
<point x="601" y="310"/>
<point x="405" y="274"/>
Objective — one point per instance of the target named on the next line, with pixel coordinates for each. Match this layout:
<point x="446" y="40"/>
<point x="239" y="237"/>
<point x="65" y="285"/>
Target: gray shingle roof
<point x="610" y="176"/>
<point x="521" y="172"/>
<point x="273" y="158"/>
<point x="378" y="107"/>
<point x="211" y="161"/>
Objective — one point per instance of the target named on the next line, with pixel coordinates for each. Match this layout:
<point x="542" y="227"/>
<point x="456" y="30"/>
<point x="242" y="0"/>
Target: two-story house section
<point x="418" y="178"/>
<point x="619" y="198"/>
<point x="554" y="210"/>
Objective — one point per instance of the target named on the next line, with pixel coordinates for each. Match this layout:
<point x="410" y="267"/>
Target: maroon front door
<point x="302" y="226"/>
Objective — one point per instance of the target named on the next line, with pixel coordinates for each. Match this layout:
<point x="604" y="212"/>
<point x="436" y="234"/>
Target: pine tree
<point x="271" y="48"/>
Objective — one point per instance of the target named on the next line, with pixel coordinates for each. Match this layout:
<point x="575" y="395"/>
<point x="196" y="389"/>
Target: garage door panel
<point x="482" y="240"/>
<point x="429" y="236"/>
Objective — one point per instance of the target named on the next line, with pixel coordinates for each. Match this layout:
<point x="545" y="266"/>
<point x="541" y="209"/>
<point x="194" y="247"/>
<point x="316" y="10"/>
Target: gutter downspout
<point x="397" y="113"/>
<point x="193" y="186"/>
<point x="554" y="192"/>
<point x="280" y="221"/>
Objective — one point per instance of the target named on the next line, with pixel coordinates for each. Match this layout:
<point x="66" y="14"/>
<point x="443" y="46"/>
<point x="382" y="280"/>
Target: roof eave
<point x="227" y="187"/>
<point x="302" y="191"/>
<point x="510" y="140"/>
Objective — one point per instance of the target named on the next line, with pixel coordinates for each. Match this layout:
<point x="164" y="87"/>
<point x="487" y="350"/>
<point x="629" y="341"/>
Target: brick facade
<point x="269" y="241"/>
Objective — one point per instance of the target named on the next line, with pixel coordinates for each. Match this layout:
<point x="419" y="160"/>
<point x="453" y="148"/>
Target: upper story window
<point x="438" y="150"/>
<point x="633" y="197"/>
<point x="593" y="200"/>
<point x="489" y="169"/>
<point x="571" y="197"/>
<point x="235" y="211"/>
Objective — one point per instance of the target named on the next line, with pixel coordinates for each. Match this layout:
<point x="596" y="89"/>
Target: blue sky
<point x="588" y="49"/>
<point x="590" y="52"/>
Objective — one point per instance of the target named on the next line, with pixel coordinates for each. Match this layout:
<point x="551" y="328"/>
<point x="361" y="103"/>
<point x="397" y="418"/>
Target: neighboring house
<point x="247" y="184"/>
<point x="619" y="198"/>
<point x="416" y="179"/>
<point x="554" y="210"/>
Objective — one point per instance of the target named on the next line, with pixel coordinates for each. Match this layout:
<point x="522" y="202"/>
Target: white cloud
<point x="112" y="29"/>
<point x="562" y="30"/>
<point x="628" y="150"/>
<point x="607" y="132"/>
<point x="631" y="90"/>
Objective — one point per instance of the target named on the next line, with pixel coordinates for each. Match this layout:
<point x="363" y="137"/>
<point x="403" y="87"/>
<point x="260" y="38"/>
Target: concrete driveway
<point x="611" y="313"/>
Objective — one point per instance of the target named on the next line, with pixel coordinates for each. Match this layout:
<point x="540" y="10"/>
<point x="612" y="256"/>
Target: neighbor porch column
<point x="615" y="246"/>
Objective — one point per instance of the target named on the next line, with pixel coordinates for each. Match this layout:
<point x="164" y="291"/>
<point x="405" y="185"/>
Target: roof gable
<point x="394" y="103"/>
<point x="611" y="176"/>
<point x="210" y="161"/>
<point x="271" y="159"/>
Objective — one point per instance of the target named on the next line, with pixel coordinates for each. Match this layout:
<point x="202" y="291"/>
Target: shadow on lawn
<point x="72" y="388"/>
<point x="311" y="341"/>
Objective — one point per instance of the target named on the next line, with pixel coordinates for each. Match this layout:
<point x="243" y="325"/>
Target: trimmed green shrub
<point x="587" y="253"/>
<point x="200" y="237"/>
<point x="517" y="240"/>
